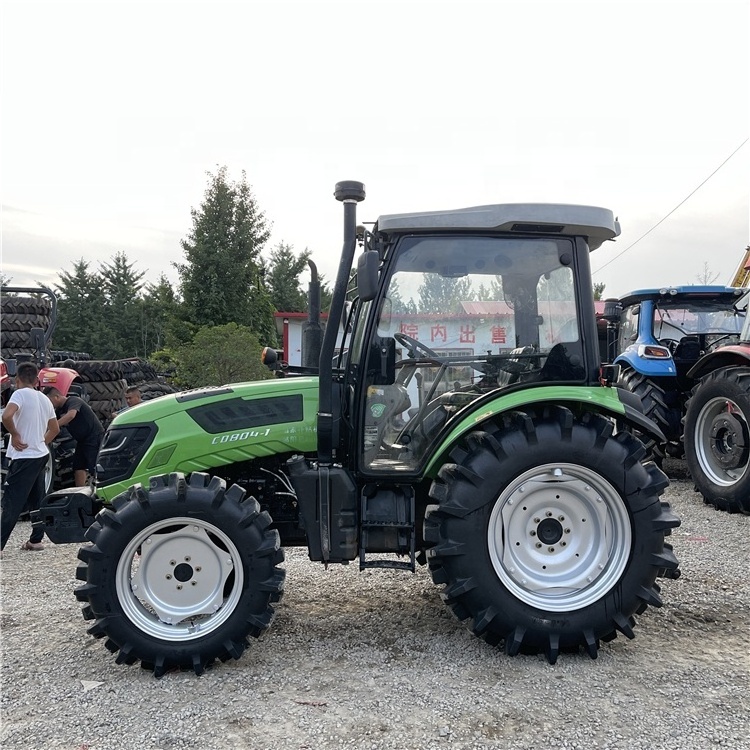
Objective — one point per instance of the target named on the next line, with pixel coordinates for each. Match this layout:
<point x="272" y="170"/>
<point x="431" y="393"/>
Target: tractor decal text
<point x="237" y="437"/>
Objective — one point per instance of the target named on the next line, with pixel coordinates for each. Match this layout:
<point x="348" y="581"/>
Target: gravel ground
<point x="376" y="660"/>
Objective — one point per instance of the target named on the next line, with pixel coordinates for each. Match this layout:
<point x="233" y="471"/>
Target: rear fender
<point x="610" y="402"/>
<point x="726" y="356"/>
<point x="650" y="368"/>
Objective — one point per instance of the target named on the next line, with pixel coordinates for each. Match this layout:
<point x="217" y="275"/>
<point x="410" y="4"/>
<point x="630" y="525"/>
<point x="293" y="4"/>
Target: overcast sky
<point x="114" y="112"/>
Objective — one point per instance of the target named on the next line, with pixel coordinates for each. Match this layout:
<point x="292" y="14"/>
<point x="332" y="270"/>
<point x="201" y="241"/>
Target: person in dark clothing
<point x="31" y="425"/>
<point x="75" y="414"/>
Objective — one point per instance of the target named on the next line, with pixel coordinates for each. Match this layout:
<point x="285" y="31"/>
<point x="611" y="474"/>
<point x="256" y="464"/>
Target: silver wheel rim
<point x="712" y="443"/>
<point x="559" y="537"/>
<point x="49" y="474"/>
<point x="179" y="579"/>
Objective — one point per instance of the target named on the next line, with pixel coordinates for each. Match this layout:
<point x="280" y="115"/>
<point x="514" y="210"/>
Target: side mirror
<point x="368" y="265"/>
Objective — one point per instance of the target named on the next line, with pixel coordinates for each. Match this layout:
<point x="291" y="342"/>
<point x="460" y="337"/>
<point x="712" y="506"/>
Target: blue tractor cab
<point x="657" y="335"/>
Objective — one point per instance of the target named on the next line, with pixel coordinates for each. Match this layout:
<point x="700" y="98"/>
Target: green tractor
<point x="459" y="418"/>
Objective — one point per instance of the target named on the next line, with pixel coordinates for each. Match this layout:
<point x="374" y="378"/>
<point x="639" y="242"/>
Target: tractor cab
<point x="458" y="307"/>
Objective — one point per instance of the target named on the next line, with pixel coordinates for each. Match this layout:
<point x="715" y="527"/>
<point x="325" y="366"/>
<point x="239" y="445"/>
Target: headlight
<point x="121" y="451"/>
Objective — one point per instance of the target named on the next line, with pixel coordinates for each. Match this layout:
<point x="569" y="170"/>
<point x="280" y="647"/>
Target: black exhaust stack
<point x="349" y="193"/>
<point x="312" y="332"/>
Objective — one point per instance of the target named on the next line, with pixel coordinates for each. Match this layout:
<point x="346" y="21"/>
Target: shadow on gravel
<point x="676" y="468"/>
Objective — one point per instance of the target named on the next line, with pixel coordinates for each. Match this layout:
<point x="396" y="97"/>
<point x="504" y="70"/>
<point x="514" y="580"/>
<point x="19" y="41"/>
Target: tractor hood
<point x="207" y="428"/>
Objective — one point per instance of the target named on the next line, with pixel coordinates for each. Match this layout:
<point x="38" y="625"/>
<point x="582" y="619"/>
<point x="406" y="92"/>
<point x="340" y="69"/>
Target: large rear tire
<point x="549" y="532"/>
<point x="180" y="574"/>
<point x="717" y="438"/>
<point x="656" y="408"/>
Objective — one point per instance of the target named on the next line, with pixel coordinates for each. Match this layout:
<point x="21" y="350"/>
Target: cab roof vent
<point x="537" y="227"/>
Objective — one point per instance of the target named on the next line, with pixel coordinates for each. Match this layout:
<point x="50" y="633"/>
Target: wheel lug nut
<point x="173" y="562"/>
<point x="532" y="532"/>
<point x="550" y="549"/>
<point x="169" y="576"/>
<point x="179" y="586"/>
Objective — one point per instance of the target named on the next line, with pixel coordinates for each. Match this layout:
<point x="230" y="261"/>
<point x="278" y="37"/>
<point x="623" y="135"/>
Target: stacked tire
<point x="20" y="315"/>
<point x="105" y="386"/>
<point x="58" y="356"/>
<point x="142" y="374"/>
<point x="154" y="388"/>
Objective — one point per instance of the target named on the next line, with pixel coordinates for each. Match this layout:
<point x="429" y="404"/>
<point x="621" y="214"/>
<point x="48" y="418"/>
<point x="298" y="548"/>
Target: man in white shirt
<point x="31" y="424"/>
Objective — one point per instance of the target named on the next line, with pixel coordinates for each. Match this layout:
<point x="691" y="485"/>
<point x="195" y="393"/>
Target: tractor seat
<point x="515" y="366"/>
<point x="689" y="348"/>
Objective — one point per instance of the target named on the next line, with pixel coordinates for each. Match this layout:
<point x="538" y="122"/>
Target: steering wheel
<point x="414" y="347"/>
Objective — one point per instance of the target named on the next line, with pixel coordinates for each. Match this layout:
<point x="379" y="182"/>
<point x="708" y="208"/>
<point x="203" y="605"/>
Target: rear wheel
<point x="181" y="574"/>
<point x="656" y="407"/>
<point x="717" y="438"/>
<point x="49" y="472"/>
<point x="549" y="532"/>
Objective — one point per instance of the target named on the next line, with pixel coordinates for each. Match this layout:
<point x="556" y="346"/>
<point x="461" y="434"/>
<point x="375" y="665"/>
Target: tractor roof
<point x="597" y="224"/>
<point x="726" y="294"/>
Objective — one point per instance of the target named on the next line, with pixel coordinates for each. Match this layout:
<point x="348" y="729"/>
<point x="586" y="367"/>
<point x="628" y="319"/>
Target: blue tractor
<point x="657" y="335"/>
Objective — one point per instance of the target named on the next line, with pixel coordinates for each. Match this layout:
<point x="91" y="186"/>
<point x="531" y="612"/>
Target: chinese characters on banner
<point x="442" y="334"/>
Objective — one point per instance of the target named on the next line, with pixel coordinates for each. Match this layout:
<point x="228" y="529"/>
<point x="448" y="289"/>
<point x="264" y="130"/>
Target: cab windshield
<point x="715" y="319"/>
<point x="469" y="315"/>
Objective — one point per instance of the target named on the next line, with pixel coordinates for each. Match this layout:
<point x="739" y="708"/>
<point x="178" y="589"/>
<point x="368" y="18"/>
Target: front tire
<point x="549" y="532"/>
<point x="717" y="438"/>
<point x="180" y="574"/>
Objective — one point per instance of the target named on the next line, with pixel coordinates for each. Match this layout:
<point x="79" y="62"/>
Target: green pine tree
<point x="122" y="286"/>
<point x="283" y="278"/>
<point x="80" y="321"/>
<point x="221" y="279"/>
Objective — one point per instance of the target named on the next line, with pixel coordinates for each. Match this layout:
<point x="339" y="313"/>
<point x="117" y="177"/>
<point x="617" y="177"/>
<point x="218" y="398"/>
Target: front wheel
<point x="180" y="574"/>
<point x="549" y="532"/>
<point x="717" y="438"/>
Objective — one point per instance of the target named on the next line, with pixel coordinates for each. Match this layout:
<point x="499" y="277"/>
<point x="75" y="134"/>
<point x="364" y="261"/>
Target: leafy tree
<point x="218" y="355"/>
<point x="599" y="289"/>
<point x="220" y="280"/>
<point x="438" y="294"/>
<point x="80" y="322"/>
<point x="164" y="361"/>
<point x="326" y="293"/>
<point x="398" y="304"/>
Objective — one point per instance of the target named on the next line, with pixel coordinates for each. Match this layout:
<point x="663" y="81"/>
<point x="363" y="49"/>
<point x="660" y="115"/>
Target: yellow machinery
<point x="742" y="275"/>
